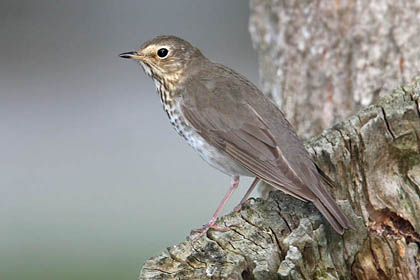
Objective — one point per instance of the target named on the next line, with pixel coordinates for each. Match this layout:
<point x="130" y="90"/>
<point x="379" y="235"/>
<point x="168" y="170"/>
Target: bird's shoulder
<point x="218" y="88"/>
<point x="219" y="95"/>
<point x="214" y="82"/>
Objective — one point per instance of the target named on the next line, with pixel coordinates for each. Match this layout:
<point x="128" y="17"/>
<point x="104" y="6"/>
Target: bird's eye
<point x="162" y="53"/>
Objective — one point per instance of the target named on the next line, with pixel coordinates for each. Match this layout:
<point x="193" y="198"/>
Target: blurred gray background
<point x="93" y="179"/>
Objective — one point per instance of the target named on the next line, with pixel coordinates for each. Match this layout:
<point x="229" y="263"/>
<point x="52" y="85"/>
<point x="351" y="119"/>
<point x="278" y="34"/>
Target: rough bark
<point x="322" y="61"/>
<point x="375" y="157"/>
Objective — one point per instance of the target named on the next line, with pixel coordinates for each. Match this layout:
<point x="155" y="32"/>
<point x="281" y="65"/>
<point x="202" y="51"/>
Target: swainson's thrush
<point x="232" y="125"/>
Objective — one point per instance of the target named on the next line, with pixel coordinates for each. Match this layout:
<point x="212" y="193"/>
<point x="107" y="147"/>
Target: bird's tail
<point x="327" y="205"/>
<point x="335" y="217"/>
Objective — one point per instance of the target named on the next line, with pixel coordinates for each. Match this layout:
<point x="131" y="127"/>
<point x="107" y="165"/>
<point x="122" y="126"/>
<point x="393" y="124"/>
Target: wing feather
<point x="254" y="147"/>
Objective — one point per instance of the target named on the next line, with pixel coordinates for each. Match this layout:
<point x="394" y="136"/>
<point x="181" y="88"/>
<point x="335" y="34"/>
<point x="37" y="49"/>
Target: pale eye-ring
<point x="163" y="52"/>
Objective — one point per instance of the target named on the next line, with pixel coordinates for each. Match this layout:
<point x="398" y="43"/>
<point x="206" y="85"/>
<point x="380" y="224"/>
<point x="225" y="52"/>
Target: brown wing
<point x="252" y="145"/>
<point x="235" y="117"/>
<point x="235" y="127"/>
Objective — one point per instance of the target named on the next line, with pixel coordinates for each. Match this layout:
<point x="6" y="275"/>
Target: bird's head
<point x="165" y="57"/>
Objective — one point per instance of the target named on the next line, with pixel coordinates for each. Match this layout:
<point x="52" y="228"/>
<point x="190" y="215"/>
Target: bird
<point x="233" y="126"/>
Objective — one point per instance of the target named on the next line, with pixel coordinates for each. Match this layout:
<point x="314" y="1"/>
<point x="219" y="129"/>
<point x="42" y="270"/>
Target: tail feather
<point x="335" y="217"/>
<point x="322" y="200"/>
<point x="327" y="205"/>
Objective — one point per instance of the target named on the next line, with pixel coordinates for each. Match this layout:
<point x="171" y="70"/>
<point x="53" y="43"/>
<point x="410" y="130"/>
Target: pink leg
<point x="251" y="188"/>
<point x="211" y="223"/>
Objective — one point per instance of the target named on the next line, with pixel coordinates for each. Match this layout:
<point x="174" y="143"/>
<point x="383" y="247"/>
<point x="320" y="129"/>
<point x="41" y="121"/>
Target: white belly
<point x="216" y="158"/>
<point x="210" y="154"/>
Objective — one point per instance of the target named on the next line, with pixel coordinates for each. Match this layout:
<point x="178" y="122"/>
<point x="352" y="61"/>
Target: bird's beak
<point x="132" y="55"/>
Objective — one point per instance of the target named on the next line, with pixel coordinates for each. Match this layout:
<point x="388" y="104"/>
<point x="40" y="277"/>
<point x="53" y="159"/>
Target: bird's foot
<point x="206" y="227"/>
<point x="238" y="208"/>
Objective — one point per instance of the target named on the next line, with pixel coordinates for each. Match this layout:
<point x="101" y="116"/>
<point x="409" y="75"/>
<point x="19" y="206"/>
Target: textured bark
<point x="375" y="157"/>
<point x="322" y="60"/>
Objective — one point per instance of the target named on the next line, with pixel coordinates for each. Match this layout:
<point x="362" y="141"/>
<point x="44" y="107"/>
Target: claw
<point x="206" y="227"/>
<point x="238" y="208"/>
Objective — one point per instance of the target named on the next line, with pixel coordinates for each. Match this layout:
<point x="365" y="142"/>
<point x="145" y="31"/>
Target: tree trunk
<point x="375" y="156"/>
<point x="322" y="61"/>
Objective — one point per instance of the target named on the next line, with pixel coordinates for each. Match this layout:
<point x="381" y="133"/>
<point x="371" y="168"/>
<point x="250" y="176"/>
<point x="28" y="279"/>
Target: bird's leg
<point x="211" y="223"/>
<point x="248" y="192"/>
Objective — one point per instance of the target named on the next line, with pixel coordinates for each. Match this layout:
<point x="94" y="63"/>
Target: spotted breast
<point x="214" y="157"/>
